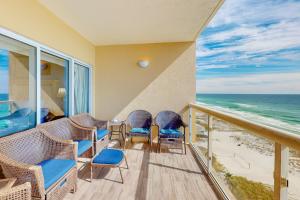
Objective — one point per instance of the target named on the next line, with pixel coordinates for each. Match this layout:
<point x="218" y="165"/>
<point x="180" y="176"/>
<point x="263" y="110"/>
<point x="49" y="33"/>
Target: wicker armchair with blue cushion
<point x="65" y="129"/>
<point x="138" y="124"/>
<point x="101" y="138"/>
<point x="47" y="163"/>
<point x="169" y="124"/>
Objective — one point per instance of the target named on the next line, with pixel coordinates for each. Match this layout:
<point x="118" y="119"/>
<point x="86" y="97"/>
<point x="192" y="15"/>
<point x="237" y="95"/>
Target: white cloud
<point x="205" y="67"/>
<point x="277" y="83"/>
<point x="257" y="39"/>
<point x="245" y="11"/>
<point x="247" y="15"/>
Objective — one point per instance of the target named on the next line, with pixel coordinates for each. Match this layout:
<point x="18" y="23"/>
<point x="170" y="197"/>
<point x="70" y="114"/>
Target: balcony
<point x="68" y="58"/>
<point x="228" y="158"/>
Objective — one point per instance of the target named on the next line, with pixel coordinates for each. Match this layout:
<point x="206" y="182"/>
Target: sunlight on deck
<point x="165" y="175"/>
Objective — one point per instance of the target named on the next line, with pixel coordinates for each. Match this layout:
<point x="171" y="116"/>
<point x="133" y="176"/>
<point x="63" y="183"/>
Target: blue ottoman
<point x="109" y="158"/>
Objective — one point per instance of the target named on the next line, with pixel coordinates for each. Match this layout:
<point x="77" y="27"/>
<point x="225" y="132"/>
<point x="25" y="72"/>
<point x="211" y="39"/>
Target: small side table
<point x="10" y="192"/>
<point x="116" y="128"/>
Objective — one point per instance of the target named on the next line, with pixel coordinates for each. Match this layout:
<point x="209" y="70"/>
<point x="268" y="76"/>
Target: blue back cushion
<point x="83" y="146"/>
<point x="101" y="133"/>
<point x="140" y="130"/>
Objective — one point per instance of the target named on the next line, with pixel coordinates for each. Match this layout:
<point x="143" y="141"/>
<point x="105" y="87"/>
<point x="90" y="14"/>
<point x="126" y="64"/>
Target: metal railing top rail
<point x="280" y="136"/>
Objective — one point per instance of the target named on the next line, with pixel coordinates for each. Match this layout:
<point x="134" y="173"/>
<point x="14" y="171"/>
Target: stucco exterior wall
<point x="121" y="86"/>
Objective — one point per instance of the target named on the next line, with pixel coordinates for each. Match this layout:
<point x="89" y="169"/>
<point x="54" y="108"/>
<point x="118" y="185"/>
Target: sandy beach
<point x="249" y="156"/>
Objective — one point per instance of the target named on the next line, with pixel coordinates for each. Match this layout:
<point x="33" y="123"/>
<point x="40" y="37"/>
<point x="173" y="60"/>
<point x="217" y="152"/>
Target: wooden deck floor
<point x="166" y="175"/>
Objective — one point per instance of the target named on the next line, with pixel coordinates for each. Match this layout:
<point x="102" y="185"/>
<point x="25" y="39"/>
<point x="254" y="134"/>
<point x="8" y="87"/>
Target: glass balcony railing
<point x="243" y="159"/>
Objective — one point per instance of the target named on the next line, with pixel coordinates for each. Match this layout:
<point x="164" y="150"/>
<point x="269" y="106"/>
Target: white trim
<point x="38" y="86"/>
<point x="91" y="91"/>
<point x="41" y="47"/>
<point x="71" y="88"/>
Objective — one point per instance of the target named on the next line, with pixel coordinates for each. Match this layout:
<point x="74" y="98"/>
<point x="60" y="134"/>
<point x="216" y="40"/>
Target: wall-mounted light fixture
<point x="143" y="63"/>
<point x="61" y="92"/>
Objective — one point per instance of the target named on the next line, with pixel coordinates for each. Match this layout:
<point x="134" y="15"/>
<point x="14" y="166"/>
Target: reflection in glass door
<point x="17" y="86"/>
<point x="81" y="89"/>
<point x="54" y="87"/>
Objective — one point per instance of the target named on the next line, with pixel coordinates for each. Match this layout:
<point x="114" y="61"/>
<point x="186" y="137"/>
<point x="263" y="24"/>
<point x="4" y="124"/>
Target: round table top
<point x="115" y="122"/>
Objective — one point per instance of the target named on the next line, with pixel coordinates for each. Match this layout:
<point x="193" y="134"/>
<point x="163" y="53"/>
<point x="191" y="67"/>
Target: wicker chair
<point x="20" y="192"/>
<point x="139" y="123"/>
<point x="36" y="157"/>
<point x="168" y="123"/>
<point x="101" y="138"/>
<point x="65" y="129"/>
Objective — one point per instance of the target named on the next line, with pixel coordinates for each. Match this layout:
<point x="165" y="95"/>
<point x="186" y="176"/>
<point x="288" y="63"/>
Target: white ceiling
<point x="110" y="22"/>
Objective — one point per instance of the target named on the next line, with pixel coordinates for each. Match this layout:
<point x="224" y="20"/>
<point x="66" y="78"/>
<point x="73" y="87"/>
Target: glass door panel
<point x="54" y="87"/>
<point x="17" y="86"/>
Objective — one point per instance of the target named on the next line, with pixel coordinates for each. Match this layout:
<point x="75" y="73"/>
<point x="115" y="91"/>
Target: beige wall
<point x="30" y="19"/>
<point x="121" y="86"/>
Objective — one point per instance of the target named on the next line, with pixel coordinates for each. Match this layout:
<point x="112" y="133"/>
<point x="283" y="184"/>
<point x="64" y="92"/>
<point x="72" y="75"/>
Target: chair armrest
<point x="58" y="148"/>
<point x="24" y="173"/>
<point x="185" y="125"/>
<point x="82" y="133"/>
<point x="100" y="124"/>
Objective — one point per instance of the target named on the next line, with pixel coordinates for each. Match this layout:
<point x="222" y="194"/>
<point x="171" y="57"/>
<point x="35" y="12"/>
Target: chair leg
<point x="124" y="147"/>
<point x="150" y="142"/>
<point x="126" y="162"/>
<point x="121" y="175"/>
<point x="184" y="146"/>
<point x="159" y="146"/>
<point x="91" y="172"/>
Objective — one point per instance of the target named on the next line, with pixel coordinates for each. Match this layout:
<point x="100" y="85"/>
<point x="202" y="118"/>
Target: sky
<point x="251" y="46"/>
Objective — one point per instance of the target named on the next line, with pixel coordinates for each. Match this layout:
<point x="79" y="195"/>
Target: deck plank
<point x="168" y="175"/>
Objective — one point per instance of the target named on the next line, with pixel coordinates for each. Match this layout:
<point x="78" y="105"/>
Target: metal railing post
<point x="281" y="172"/>
<point x="190" y="124"/>
<point x="209" y="143"/>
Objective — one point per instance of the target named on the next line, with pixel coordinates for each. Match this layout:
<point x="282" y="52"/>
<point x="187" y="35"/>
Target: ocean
<point x="279" y="111"/>
<point x="4" y="110"/>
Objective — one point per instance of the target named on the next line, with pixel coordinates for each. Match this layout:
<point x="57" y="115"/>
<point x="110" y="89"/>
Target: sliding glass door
<point x="81" y="89"/>
<point x="17" y="86"/>
<point x="38" y="84"/>
<point x="54" y="87"/>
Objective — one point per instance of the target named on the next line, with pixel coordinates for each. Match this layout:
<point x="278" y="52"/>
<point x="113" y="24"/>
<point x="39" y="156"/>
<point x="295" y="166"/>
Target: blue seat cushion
<point x="170" y="133"/>
<point x="101" y="133"/>
<point x="140" y="130"/>
<point x="83" y="146"/>
<point x="109" y="157"/>
<point x="54" y="169"/>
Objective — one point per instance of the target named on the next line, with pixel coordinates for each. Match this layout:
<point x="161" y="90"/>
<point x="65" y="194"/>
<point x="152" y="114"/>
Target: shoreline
<point x="244" y="155"/>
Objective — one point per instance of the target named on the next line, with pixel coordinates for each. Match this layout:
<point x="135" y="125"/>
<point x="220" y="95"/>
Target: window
<point x="24" y="64"/>
<point x="54" y="87"/>
<point x="17" y="86"/>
